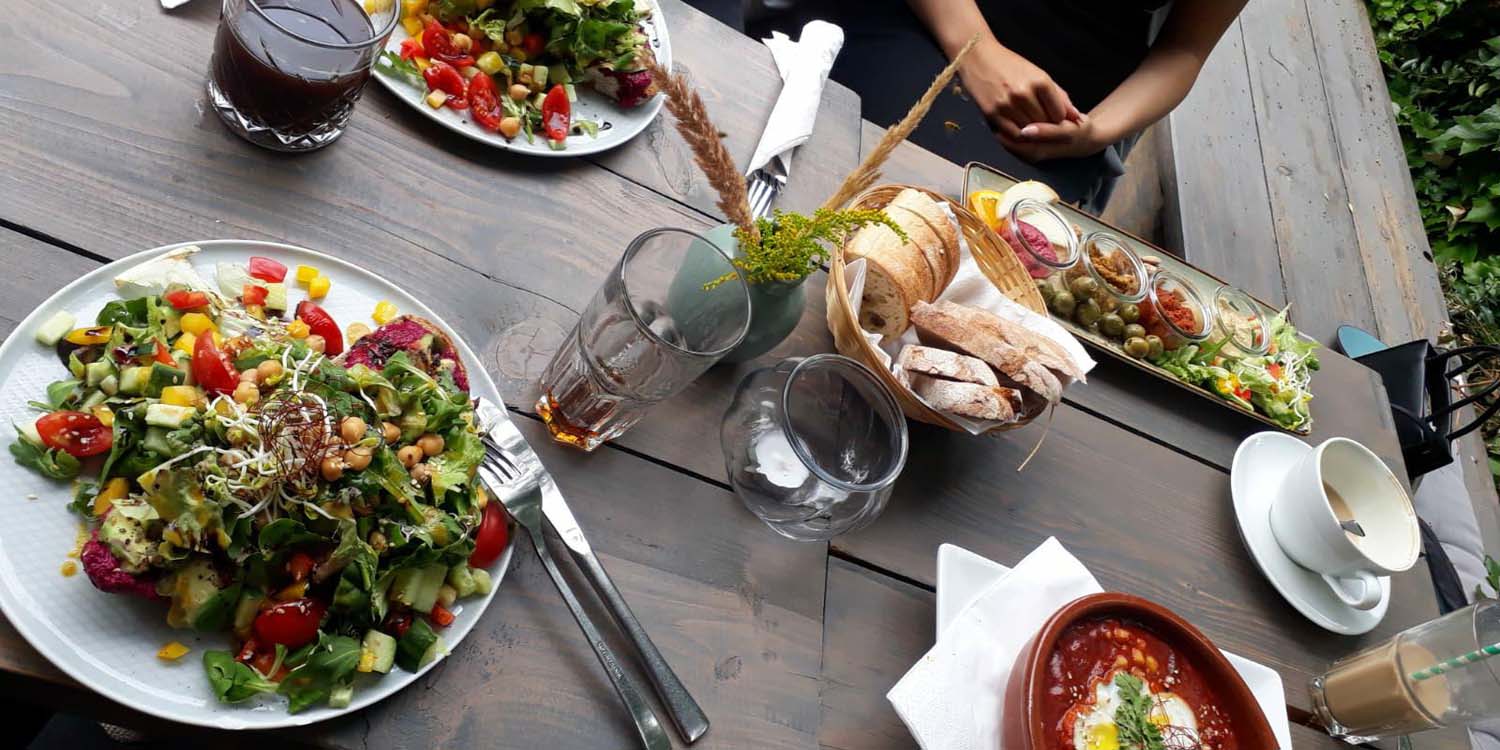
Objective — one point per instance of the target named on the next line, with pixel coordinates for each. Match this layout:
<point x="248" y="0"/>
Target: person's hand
<point x="1040" y="141"/>
<point x="1012" y="92"/>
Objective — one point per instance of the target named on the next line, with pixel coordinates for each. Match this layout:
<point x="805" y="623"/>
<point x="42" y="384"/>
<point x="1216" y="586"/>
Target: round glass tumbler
<point x="813" y="446"/>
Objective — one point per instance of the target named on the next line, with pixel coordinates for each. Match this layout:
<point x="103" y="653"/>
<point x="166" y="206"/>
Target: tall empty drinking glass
<point x="813" y="446"/>
<point x="286" y="73"/>
<point x="652" y="329"/>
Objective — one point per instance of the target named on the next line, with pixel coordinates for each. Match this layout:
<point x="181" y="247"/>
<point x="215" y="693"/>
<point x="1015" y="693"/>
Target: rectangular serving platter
<point x="979" y="176"/>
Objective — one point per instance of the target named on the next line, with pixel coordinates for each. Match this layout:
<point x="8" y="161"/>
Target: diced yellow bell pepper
<point x="297" y="329"/>
<point x="436" y="98"/>
<point x="172" y="651"/>
<point x="105" y="415"/>
<point x="181" y="395"/>
<point x="90" y="335"/>
<point x="112" y="490"/>
<point x="318" y="287"/>
<point x="184" y="343"/>
<point x="306" y="274"/>
<point x="490" y="62"/>
<point x="413" y="9"/>
<point x="385" y="312"/>
<point x="422" y="62"/>
<point x="366" y="661"/>
<point x="413" y="26"/>
<point x="196" y="323"/>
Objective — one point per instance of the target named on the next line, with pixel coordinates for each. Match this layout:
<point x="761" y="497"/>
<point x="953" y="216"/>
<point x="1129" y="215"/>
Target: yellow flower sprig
<point x="791" y="246"/>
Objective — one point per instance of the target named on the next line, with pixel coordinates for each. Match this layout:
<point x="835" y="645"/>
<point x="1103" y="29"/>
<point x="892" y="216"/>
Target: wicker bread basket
<point x="995" y="260"/>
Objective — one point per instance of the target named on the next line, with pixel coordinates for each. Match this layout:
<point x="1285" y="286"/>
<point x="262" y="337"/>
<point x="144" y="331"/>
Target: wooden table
<point x="786" y="645"/>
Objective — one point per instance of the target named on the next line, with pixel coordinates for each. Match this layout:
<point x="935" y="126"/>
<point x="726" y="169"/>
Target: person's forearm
<point x="952" y="22"/>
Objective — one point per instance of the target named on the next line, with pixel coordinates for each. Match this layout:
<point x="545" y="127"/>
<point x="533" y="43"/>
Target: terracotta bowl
<point x="1023" y="722"/>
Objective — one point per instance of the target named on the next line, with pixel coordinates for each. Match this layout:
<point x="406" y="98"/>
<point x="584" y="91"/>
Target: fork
<point x="519" y="490"/>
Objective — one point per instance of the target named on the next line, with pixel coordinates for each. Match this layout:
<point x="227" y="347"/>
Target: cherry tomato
<point x="484" y="103"/>
<point x="163" y="354"/>
<point x="441" y="617"/>
<point x="247" y="650"/>
<point x="320" y="323"/>
<point x="533" y="44"/>
<point x="441" y="76"/>
<point x="182" y="299"/>
<point x="1275" y="370"/>
<point x="74" y="433"/>
<point x="490" y="541"/>
<point x="292" y="624"/>
<point x="1244" y="393"/>
<point x="397" y="623"/>
<point x="411" y="48"/>
<point x="266" y="269"/>
<point x="299" y="566"/>
<point x="211" y="369"/>
<point x="254" y="294"/>
<point x="438" y="43"/>
<point x="556" y="112"/>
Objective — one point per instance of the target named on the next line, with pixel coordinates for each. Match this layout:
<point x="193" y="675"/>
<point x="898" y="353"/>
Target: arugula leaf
<point x="405" y="71"/>
<point x="330" y="664"/>
<point x="50" y="463"/>
<point x="232" y="681"/>
<point x="1133" y="716"/>
<point x="58" y="395"/>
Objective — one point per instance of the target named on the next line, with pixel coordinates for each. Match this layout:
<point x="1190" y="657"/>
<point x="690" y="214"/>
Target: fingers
<point x="1047" y="132"/>
<point x="1055" y="101"/>
<point x="1029" y="108"/>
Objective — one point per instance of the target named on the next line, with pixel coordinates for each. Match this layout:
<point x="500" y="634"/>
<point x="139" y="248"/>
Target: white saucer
<point x="1254" y="479"/>
<point x="964" y="577"/>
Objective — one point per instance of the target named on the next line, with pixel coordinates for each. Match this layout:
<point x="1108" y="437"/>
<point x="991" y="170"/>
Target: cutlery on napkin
<point x="804" y="66"/>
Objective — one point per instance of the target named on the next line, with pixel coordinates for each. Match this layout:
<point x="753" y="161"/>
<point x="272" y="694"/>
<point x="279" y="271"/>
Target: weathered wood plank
<point x="1219" y="212"/>
<point x="1321" y="261"/>
<point x="35" y="270"/>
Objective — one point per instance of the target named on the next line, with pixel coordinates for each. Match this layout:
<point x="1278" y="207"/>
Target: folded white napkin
<point x="804" y="66"/>
<point x="972" y="288"/>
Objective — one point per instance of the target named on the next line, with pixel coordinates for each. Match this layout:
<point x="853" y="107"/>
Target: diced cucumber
<point x="156" y="440"/>
<point x="163" y="376"/>
<point x="247" y="609"/>
<point x="28" y="431"/>
<point x="133" y="380"/>
<point x="382" y="649"/>
<point x="54" y="328"/>
<point x="339" y="696"/>
<point x="461" y="580"/>
<point x="559" y="74"/>
<point x="429" y="656"/>
<point x="539" y="75"/>
<point x="427" y="590"/>
<point x="411" y="650"/>
<point x="572" y="92"/>
<point x="404" y="585"/>
<point x="482" y="582"/>
<point x="92" y="400"/>
<point x="169" y="416"/>
<point x="95" y="372"/>
<point x="276" y="296"/>
<point x="110" y="385"/>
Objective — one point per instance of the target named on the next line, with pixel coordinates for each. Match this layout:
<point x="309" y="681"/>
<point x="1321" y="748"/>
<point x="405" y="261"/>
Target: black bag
<point x="1419" y="380"/>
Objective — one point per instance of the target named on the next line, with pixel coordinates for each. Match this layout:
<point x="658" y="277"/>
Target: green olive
<point x="1130" y="312"/>
<point x="1088" y="313"/>
<point x="1083" y="286"/>
<point x="1134" y="330"/>
<point x="1063" y="303"/>
<point x="1137" y="347"/>
<point x="1156" y="346"/>
<point x="1112" y="325"/>
<point x="1046" y="290"/>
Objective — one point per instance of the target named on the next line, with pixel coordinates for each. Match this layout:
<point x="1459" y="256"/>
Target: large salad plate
<point x="109" y="642"/>
<point x="616" y="125"/>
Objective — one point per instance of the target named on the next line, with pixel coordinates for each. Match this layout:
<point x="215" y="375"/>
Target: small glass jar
<point x="1175" y="312"/>
<point x="1107" y="285"/>
<point x="1028" y="228"/>
<point x="1238" y="318"/>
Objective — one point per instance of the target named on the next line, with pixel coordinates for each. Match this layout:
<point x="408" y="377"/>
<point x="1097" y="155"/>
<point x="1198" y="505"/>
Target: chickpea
<point x="268" y="369"/>
<point x="409" y="456"/>
<point x="1121" y="661"/>
<point x="356" y="332"/>
<point x="250" y="376"/>
<point x="246" y="393"/>
<point x="332" y="468"/>
<point x="390" y="432"/>
<point x="431" y="444"/>
<point x="352" y="430"/>
<point x="462" y="42"/>
<point x="1137" y="657"/>
<point x="377" y="541"/>
<point x="519" y="91"/>
<point x="421" y="473"/>
<point x="316" y="343"/>
<point x="1151" y="663"/>
<point x="510" y="127"/>
<point x="358" y="458"/>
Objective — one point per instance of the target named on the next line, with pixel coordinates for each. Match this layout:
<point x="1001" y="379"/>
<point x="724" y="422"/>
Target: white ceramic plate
<point x="623" y="124"/>
<point x="1255" y="478"/>
<point x="109" y="642"/>
<point x="963" y="576"/>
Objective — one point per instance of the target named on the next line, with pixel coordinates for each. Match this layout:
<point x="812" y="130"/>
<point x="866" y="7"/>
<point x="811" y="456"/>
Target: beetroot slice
<point x="405" y="334"/>
<point x="104" y="571"/>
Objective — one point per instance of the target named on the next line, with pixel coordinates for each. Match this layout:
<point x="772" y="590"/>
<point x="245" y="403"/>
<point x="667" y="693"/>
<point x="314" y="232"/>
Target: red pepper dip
<point x="1174" y="308"/>
<point x="1110" y="679"/>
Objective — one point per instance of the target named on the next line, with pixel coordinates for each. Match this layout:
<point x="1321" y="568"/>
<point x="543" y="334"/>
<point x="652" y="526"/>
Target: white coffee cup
<point x="1305" y="518"/>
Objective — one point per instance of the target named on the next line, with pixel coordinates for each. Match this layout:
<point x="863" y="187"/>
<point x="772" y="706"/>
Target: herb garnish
<point x="1133" y="717"/>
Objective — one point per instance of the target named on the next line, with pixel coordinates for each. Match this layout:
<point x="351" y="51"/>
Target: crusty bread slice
<point x="965" y="399"/>
<point x="931" y="231"/>
<point x="896" y="277"/>
<point x="941" y="363"/>
<point x="939" y="326"/>
<point x="1034" y="345"/>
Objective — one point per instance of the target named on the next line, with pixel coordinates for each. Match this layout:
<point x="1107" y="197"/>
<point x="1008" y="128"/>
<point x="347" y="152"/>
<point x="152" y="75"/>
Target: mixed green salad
<point x="235" y="461"/>
<point x="1275" y="384"/>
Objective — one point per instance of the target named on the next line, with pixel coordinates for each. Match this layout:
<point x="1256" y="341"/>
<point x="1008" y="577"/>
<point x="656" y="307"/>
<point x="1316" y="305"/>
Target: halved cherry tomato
<point x="299" y="566"/>
<point x="183" y="299"/>
<point x="484" y="104"/>
<point x="247" y="650"/>
<point x="411" y="48"/>
<point x="1244" y="393"/>
<point x="438" y="43"/>
<point x="556" y="112"/>
<point x="397" y="623"/>
<point x="254" y="294"/>
<point x="266" y="269"/>
<point x="441" y="617"/>
<point x="211" y="369"/>
<point x="533" y="44"/>
<point x="74" y="433"/>
<point x="292" y="624"/>
<point x="320" y="323"/>
<point x="441" y="76"/>
<point x="490" y="541"/>
<point x="1275" y="370"/>
<point x="164" y="354"/>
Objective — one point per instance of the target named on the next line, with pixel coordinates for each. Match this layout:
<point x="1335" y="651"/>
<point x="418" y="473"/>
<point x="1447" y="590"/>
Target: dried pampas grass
<point x="695" y="127"/>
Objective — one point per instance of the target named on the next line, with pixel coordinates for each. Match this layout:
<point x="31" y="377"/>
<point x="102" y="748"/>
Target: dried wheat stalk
<point x="708" y="149"/>
<point x="864" y="176"/>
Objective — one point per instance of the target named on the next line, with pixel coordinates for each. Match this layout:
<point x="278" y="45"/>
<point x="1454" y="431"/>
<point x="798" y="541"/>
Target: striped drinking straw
<point x="1457" y="661"/>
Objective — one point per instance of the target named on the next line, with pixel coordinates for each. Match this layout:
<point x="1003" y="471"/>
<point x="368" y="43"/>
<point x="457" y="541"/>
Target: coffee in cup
<point x="1342" y="514"/>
